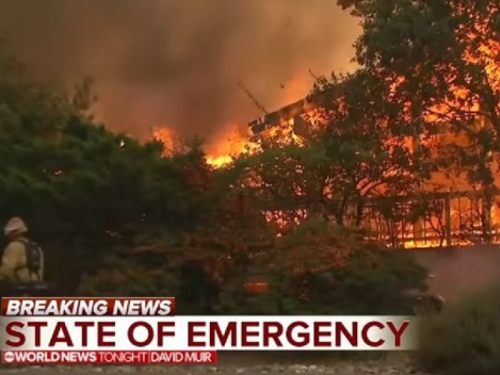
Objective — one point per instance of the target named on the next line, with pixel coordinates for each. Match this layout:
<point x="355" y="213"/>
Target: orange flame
<point x="233" y="143"/>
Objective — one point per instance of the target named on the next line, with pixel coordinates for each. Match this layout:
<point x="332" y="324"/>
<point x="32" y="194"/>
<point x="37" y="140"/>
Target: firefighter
<point x="22" y="261"/>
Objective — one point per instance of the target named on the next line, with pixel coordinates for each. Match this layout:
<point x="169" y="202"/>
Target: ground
<point x="248" y="364"/>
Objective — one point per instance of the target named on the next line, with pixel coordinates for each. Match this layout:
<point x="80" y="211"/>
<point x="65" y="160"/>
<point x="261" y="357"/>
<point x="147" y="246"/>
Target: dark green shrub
<point x="464" y="339"/>
<point x="322" y="270"/>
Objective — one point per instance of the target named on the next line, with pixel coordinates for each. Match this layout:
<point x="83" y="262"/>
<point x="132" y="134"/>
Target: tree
<point x="441" y="57"/>
<point x="367" y="139"/>
<point x="287" y="182"/>
<point x="362" y="148"/>
<point x="85" y="192"/>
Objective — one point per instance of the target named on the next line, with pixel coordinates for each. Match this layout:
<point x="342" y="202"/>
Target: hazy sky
<point x="178" y="62"/>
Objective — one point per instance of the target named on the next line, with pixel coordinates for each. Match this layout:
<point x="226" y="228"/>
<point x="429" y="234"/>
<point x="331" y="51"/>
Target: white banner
<point x="208" y="333"/>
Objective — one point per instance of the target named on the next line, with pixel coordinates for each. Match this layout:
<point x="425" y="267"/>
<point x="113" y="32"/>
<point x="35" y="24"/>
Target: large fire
<point x="231" y="145"/>
<point x="459" y="207"/>
<point x="236" y="139"/>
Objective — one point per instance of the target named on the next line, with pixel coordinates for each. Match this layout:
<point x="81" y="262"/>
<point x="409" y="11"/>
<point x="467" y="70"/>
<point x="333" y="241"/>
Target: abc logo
<point x="8" y="357"/>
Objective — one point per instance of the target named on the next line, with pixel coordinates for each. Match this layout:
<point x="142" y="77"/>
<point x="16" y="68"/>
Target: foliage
<point x="368" y="142"/>
<point x="464" y="339"/>
<point x="317" y="269"/>
<point x="82" y="189"/>
<point x="441" y="60"/>
<point x="192" y="263"/>
<point x="360" y="148"/>
<point x="288" y="181"/>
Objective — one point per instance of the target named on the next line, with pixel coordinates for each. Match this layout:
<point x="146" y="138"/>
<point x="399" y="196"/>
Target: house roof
<point x="290" y="111"/>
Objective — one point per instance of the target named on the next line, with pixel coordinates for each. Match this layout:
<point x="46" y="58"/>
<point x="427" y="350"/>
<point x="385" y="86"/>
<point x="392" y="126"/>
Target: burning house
<point x="455" y="214"/>
<point x="293" y="112"/>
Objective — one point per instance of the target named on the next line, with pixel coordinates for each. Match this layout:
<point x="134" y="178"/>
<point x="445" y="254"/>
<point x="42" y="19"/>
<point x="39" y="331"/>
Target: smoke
<point x="461" y="271"/>
<point x="177" y="63"/>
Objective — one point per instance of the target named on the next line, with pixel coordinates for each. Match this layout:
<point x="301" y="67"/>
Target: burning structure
<point x="450" y="212"/>
<point x="456" y="93"/>
<point x="444" y="211"/>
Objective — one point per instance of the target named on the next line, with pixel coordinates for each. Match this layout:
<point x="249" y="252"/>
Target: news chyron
<point x="86" y="331"/>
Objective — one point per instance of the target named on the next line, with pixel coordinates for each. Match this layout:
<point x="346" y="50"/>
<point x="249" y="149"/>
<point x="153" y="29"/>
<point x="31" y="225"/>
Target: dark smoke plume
<point x="178" y="62"/>
<point x="459" y="272"/>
